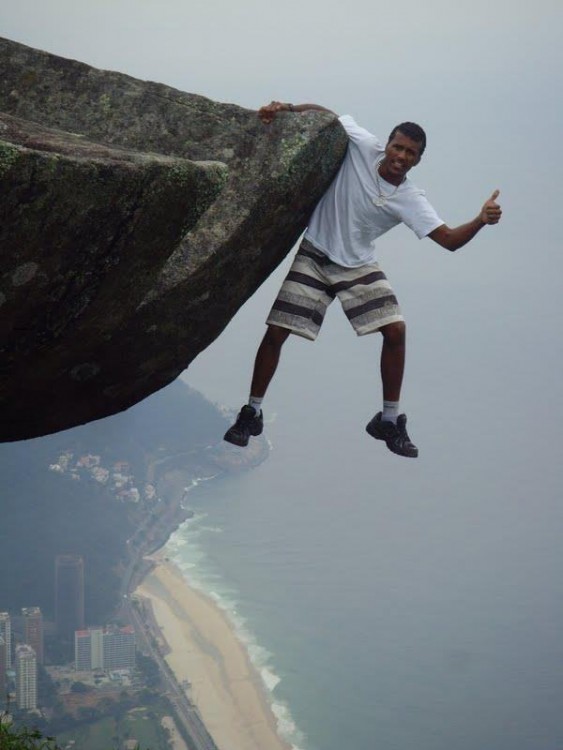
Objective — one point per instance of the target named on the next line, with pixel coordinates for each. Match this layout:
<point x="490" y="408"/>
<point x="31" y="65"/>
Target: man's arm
<point x="453" y="239"/>
<point x="269" y="111"/>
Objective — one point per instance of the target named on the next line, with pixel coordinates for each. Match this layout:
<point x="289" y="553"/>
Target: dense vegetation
<point x="24" y="739"/>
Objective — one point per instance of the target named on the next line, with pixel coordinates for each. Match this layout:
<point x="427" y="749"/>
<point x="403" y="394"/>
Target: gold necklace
<point x="382" y="199"/>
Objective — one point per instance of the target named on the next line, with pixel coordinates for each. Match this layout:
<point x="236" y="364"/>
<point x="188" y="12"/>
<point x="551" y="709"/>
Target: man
<point x="370" y="194"/>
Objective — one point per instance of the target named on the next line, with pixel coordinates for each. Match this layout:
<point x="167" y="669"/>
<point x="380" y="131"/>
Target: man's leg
<point x="267" y="358"/>
<point x="299" y="308"/>
<point x="393" y="360"/>
<point x="389" y="425"/>
<point x="250" y="421"/>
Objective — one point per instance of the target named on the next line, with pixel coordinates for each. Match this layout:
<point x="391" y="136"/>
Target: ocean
<point x="389" y="623"/>
<point x="389" y="603"/>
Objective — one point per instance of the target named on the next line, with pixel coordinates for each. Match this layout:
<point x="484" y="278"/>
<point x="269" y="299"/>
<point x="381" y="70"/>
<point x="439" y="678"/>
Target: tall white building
<point x="6" y="633"/>
<point x="26" y="677"/>
<point x="89" y="649"/>
<point x="119" y="648"/>
<point x="104" y="648"/>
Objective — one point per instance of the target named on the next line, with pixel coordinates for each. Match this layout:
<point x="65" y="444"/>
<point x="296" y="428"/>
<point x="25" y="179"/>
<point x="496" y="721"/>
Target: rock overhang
<point x="136" y="220"/>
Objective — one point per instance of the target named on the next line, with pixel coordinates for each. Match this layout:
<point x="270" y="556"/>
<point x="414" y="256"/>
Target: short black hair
<point x="411" y="130"/>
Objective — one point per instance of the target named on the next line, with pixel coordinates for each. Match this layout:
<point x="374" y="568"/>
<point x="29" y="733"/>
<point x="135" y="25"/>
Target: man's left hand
<point x="491" y="211"/>
<point x="269" y="111"/>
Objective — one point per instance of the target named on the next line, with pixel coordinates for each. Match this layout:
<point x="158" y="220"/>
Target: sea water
<point x="391" y="603"/>
<point x="381" y="616"/>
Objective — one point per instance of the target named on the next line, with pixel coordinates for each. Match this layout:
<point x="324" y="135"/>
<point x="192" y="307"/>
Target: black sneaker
<point x="395" y="435"/>
<point x="248" y="423"/>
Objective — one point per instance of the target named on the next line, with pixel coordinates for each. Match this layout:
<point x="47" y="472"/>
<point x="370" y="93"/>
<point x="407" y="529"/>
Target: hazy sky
<point x="484" y="79"/>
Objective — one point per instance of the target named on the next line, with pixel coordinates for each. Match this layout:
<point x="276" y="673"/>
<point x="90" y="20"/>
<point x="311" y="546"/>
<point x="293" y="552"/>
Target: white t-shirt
<point x="346" y="222"/>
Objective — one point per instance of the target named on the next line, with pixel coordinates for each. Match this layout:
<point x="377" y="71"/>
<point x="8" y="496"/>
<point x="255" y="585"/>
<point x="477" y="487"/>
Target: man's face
<point x="401" y="154"/>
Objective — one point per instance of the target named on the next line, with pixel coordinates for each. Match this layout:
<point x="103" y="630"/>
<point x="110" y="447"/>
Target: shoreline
<point x="200" y="645"/>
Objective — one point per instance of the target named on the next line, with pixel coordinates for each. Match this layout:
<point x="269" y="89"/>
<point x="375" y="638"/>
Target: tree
<point x="24" y="739"/>
<point x="88" y="713"/>
<point x="79" y="687"/>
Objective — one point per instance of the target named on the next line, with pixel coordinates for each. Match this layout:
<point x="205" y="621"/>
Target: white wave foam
<point x="270" y="679"/>
<point x="286" y="726"/>
<point x="196" y="481"/>
<point x="258" y="653"/>
<point x="177" y="543"/>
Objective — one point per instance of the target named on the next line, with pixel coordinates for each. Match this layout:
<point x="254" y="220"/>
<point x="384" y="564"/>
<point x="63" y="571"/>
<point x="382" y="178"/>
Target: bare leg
<point x="393" y="360"/>
<point x="267" y="359"/>
<point x="249" y="420"/>
<point x="392" y="367"/>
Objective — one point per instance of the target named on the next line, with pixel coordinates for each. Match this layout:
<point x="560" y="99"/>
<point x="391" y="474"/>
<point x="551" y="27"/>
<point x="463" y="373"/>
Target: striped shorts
<point x="314" y="281"/>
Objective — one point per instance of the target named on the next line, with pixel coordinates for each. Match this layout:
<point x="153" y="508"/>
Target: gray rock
<point x="135" y="220"/>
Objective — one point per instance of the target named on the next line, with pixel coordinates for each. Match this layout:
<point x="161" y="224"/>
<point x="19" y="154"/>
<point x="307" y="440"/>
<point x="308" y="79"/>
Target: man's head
<point x="412" y="131"/>
<point x="404" y="148"/>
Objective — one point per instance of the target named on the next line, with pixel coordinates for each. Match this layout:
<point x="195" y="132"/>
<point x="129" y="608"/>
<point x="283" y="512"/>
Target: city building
<point x="104" y="648"/>
<point x="33" y="630"/>
<point x="69" y="594"/>
<point x="2" y="669"/>
<point x="6" y="633"/>
<point x="26" y="677"/>
<point x="119" y="648"/>
<point x="89" y="649"/>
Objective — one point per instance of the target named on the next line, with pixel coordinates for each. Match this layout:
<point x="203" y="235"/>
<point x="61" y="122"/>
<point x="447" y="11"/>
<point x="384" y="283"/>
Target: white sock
<point x="256" y="403"/>
<point x="390" y="411"/>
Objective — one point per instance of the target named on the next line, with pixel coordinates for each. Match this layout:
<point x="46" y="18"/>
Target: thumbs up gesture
<point x="491" y="211"/>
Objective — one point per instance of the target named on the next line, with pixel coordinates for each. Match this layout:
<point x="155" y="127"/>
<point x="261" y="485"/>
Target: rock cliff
<point x="135" y="219"/>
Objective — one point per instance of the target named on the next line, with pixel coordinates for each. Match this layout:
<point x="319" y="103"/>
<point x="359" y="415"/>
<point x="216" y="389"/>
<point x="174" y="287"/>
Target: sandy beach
<point x="205" y="651"/>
